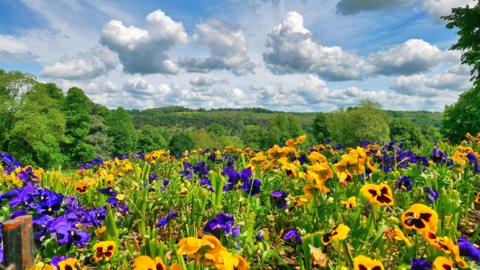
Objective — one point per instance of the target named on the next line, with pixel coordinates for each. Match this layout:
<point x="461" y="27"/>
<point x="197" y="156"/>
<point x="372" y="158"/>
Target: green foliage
<point x="122" y="131"/>
<point x="77" y="109"/>
<point x="31" y="122"/>
<point x="364" y="123"/>
<point x="402" y="130"/>
<point x="217" y="129"/>
<point x="180" y="142"/>
<point x="205" y="139"/>
<point x="320" y="128"/>
<point x="150" y="138"/>
<point x="467" y="21"/>
<point x="279" y="129"/>
<point x="251" y="135"/>
<point x="463" y="116"/>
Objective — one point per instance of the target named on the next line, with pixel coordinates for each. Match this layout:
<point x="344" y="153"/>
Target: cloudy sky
<point x="292" y="55"/>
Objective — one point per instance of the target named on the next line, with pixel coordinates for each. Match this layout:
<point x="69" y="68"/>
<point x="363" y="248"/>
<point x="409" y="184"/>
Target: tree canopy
<point x="467" y="21"/>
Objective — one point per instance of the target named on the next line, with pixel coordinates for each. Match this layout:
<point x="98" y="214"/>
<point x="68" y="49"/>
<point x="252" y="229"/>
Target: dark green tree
<point x="217" y="129"/>
<point x="467" y="21"/>
<point x="403" y="130"/>
<point x="31" y="121"/>
<point x="77" y="110"/>
<point x="320" y="128"/>
<point x="251" y="136"/>
<point x="122" y="131"/>
<point x="98" y="136"/>
<point x="368" y="122"/>
<point x="463" y="116"/>
<point x="150" y="138"/>
<point x="180" y="142"/>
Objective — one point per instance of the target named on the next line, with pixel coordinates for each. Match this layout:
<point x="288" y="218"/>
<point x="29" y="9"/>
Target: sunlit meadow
<point x="295" y="206"/>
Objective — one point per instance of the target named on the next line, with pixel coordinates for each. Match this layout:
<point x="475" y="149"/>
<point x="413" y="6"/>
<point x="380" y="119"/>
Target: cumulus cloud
<point x="139" y="88"/>
<point x="413" y="56"/>
<point x="348" y="7"/>
<point x="455" y="79"/>
<point x="227" y="47"/>
<point x="144" y="50"/>
<point x="203" y="82"/>
<point x="14" y="50"/>
<point x="291" y="49"/>
<point x="438" y="8"/>
<point x="88" y="65"/>
<point x="314" y="95"/>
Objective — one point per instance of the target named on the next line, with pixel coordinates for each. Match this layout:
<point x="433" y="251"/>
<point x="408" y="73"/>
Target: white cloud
<point x="455" y="79"/>
<point x="314" y="95"/>
<point x="203" y="82"/>
<point x="91" y="64"/>
<point x="438" y="8"/>
<point x="144" y="50"/>
<point x="413" y="56"/>
<point x="227" y="46"/>
<point x="291" y="49"/>
<point x="13" y="49"/>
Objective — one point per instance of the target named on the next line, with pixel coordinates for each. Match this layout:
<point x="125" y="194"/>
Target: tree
<point x="77" y="110"/>
<point x="31" y="122"/>
<point x="98" y="134"/>
<point x="467" y="21"/>
<point x="217" y="129"/>
<point x="320" y="128"/>
<point x="462" y="117"/>
<point x="368" y="122"/>
<point x="251" y="136"/>
<point x="180" y="142"/>
<point x="122" y="131"/>
<point x="150" y="138"/>
<point x="403" y="130"/>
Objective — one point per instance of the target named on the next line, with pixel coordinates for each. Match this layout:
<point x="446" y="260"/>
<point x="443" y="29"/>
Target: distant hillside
<point x="235" y="119"/>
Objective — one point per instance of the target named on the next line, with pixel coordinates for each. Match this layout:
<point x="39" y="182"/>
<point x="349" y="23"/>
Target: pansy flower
<point x="147" y="263"/>
<point x="279" y="198"/>
<point x="164" y="220"/>
<point x="104" y="250"/>
<point x="339" y="233"/>
<point x="420" y="217"/>
<point x="398" y="235"/>
<point x="365" y="263"/>
<point x="473" y="158"/>
<point x="477" y="198"/>
<point x="221" y="224"/>
<point x="349" y="203"/>
<point x="294" y="235"/>
<point x="81" y="186"/>
<point x="442" y="263"/>
<point x="468" y="249"/>
<point x="420" y="264"/>
<point x="432" y="194"/>
<point x="378" y="194"/>
<point x="404" y="183"/>
<point x="446" y="245"/>
<point x="252" y="187"/>
<point x="49" y="203"/>
<point x="191" y="245"/>
<point x="69" y="264"/>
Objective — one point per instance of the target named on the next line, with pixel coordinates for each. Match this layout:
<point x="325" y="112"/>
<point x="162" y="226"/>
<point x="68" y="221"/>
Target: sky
<point x="289" y="55"/>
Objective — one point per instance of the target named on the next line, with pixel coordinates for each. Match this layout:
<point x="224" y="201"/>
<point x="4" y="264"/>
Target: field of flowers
<point x="372" y="207"/>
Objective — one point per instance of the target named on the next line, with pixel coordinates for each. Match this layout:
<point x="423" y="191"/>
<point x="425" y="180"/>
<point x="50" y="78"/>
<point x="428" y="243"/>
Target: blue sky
<point x="293" y="55"/>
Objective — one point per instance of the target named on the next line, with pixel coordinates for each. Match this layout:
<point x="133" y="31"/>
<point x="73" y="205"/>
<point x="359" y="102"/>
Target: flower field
<point x="294" y="206"/>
